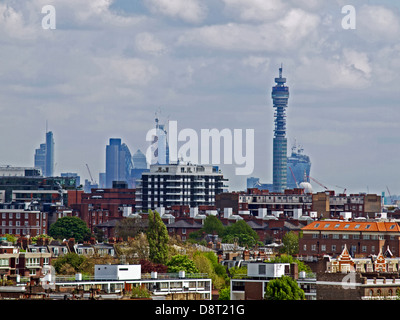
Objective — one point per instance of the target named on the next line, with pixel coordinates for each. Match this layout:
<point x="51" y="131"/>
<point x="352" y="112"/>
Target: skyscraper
<point x="159" y="145"/>
<point x="118" y="162"/>
<point x="44" y="156"/>
<point x="49" y="154"/>
<point x="280" y="97"/>
<point x="298" y="168"/>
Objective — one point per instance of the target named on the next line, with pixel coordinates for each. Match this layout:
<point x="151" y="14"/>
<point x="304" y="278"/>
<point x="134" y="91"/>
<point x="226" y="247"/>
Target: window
<point x="316" y="225"/>
<point x="356" y="236"/>
<point x="357" y="226"/>
<point x="323" y="247"/>
<point x="261" y="269"/>
<point x="367" y="226"/>
<point x="366" y="237"/>
<point x="313" y="247"/>
<point x="315" y="236"/>
<point x="345" y="236"/>
<point x="335" y="236"/>
<point x="325" y="236"/>
<point x="333" y="248"/>
<point x="346" y="226"/>
<point x="327" y="225"/>
<point x="364" y="248"/>
<point x="337" y="225"/>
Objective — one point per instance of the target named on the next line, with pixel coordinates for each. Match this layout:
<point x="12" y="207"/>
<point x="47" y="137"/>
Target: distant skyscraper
<point x="298" y="168"/>
<point x="139" y="166"/>
<point x="49" y="154"/>
<point x="280" y="97"/>
<point x="118" y="162"/>
<point x="40" y="158"/>
<point x="44" y="156"/>
<point x="139" y="160"/>
<point x="159" y="145"/>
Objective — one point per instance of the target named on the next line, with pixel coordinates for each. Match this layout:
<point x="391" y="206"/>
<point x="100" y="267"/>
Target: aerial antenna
<point x="280" y="70"/>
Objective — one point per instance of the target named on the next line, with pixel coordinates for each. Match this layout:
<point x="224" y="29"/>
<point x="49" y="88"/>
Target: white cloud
<point x="148" y="43"/>
<point x="378" y="24"/>
<point x="192" y="11"/>
<point x="255" y="10"/>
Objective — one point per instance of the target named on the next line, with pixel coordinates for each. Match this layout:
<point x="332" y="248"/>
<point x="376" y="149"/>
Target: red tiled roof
<point x="365" y="226"/>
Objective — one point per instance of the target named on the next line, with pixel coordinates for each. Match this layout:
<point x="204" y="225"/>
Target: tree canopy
<point x="157" y="236"/>
<point x="283" y="288"/>
<point x="290" y="243"/>
<point x="70" y="227"/>
<point x="241" y="231"/>
<point x="181" y="262"/>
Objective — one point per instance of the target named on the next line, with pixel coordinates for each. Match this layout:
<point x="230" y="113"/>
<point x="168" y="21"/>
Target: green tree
<point x="157" y="236"/>
<point x="181" y="262"/>
<point x="242" y="232"/>
<point x="70" y="227"/>
<point x="290" y="243"/>
<point x="71" y="263"/>
<point x="283" y="288"/>
<point x="207" y="262"/>
<point x="212" y="225"/>
<point x="225" y="294"/>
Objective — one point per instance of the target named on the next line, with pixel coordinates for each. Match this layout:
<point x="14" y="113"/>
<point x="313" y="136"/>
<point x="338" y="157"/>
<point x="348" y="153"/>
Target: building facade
<point x="179" y="185"/>
<point x="362" y="238"/>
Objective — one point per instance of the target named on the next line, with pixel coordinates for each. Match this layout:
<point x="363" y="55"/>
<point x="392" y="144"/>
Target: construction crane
<point x="294" y="178"/>
<point x="91" y="178"/>
<point x="391" y="198"/>
<point x="344" y="189"/>
<point x="318" y="182"/>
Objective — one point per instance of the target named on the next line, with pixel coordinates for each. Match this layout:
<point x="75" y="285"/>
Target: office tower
<point x="139" y="166"/>
<point x="159" y="145"/>
<point x="280" y="97"/>
<point x="118" y="162"/>
<point x="139" y="160"/>
<point x="44" y="156"/>
<point x="179" y="184"/>
<point x="40" y="158"/>
<point x="298" y="168"/>
<point x="49" y="154"/>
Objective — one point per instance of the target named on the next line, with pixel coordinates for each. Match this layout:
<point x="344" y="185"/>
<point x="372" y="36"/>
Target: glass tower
<point x="44" y="156"/>
<point x="118" y="162"/>
<point x="280" y="97"/>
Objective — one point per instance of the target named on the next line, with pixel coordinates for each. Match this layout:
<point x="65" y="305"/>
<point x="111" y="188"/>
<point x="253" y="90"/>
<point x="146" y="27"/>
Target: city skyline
<point x="209" y="64"/>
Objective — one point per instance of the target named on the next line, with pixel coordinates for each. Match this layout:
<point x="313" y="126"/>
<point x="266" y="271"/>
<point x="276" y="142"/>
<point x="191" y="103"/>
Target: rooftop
<point x="366" y="226"/>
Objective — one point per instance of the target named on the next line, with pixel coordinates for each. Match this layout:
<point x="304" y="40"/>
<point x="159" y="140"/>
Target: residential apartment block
<point x="179" y="184"/>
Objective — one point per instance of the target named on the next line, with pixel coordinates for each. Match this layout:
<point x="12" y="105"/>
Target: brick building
<point x="23" y="219"/>
<point x="362" y="238"/>
<point x="102" y="205"/>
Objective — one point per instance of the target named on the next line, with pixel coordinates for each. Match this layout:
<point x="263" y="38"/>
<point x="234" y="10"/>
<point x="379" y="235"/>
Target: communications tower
<point x="280" y="97"/>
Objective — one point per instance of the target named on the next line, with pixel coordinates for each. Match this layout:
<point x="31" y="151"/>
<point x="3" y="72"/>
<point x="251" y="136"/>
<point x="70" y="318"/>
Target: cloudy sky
<point x="110" y="65"/>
